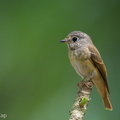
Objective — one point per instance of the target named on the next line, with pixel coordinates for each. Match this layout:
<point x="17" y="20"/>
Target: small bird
<point x="87" y="62"/>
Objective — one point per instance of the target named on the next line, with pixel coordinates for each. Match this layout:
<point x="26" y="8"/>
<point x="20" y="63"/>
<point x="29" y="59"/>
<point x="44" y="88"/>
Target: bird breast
<point x="82" y="64"/>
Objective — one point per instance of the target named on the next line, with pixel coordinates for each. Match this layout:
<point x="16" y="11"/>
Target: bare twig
<point x="81" y="102"/>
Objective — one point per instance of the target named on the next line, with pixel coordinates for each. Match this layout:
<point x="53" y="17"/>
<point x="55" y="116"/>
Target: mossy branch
<point x="83" y="98"/>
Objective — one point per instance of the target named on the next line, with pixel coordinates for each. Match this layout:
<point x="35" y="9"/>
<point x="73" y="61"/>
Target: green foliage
<point x="83" y="102"/>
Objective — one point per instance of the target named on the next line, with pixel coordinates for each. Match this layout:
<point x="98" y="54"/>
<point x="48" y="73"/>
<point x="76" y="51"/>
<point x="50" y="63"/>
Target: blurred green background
<point x="37" y="81"/>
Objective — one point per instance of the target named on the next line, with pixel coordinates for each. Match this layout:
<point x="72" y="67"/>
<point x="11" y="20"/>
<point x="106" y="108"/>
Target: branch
<point x="83" y="97"/>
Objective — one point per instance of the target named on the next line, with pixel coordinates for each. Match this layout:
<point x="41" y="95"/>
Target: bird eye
<point x="75" y="39"/>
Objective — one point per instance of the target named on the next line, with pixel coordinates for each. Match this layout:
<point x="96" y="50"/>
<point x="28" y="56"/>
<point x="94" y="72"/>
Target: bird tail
<point x="106" y="101"/>
<point x="102" y="89"/>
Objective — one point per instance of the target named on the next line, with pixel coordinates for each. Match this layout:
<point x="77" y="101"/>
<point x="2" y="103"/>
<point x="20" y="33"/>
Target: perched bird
<point x="87" y="62"/>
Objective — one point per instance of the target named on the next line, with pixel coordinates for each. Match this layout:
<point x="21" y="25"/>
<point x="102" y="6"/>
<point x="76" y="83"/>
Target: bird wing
<point x="98" y="63"/>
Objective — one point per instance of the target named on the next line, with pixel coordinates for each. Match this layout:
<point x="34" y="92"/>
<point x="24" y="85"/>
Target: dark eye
<point x="75" y="39"/>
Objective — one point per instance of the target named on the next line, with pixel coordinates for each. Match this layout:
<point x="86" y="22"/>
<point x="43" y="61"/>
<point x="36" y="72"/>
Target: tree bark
<point x="81" y="102"/>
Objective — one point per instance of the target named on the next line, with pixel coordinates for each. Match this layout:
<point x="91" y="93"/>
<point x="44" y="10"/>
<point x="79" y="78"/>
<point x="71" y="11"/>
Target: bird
<point x="88" y="63"/>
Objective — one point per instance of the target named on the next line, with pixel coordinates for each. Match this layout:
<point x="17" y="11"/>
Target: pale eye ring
<point x="75" y="39"/>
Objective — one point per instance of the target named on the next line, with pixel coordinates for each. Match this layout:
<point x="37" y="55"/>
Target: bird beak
<point x="63" y="41"/>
